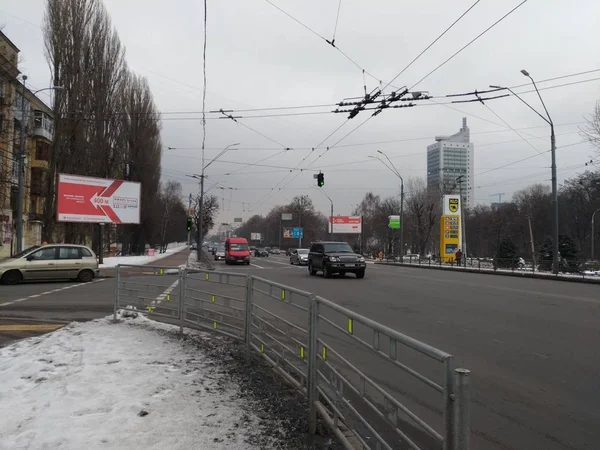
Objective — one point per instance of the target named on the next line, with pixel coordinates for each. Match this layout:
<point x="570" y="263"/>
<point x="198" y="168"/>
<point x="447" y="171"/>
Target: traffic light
<point x="189" y="223"/>
<point x="320" y="180"/>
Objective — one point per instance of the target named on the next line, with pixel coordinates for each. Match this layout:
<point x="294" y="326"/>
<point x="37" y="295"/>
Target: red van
<point x="237" y="251"/>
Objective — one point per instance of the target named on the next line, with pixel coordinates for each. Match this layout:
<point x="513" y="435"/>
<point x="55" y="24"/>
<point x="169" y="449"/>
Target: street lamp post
<point x="331" y="222"/>
<point x="201" y="205"/>
<point x="548" y="120"/>
<point x="21" y="163"/>
<point x="593" y="215"/>
<point x="395" y="172"/>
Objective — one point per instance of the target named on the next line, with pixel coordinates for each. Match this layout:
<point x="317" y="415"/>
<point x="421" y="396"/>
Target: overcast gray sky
<point x="257" y="57"/>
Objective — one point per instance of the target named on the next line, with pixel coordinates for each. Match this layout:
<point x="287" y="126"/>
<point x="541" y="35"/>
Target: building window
<point x="42" y="151"/>
<point x="37" y="181"/>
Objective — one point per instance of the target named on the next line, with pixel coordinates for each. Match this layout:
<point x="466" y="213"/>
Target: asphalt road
<point x="33" y="308"/>
<point x="530" y="344"/>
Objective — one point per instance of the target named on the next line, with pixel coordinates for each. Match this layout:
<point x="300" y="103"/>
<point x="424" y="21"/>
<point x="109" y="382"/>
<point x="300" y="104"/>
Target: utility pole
<point x="189" y="237"/>
<point x="593" y="215"/>
<point x="331" y="220"/>
<point x="500" y="194"/>
<point x="21" y="168"/>
<point x="397" y="173"/>
<point x="460" y="180"/>
<point x="548" y="120"/>
<point x="532" y="243"/>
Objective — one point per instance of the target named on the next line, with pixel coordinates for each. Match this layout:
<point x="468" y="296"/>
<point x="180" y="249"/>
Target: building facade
<point x="21" y="112"/>
<point x="450" y="165"/>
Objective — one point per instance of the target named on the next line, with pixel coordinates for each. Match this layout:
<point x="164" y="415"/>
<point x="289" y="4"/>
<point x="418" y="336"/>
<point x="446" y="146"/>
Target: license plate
<point x="349" y="265"/>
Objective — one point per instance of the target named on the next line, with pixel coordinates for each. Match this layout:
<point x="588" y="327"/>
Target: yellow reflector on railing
<point x="150" y="309"/>
<point x="262" y="348"/>
<point x="213" y="298"/>
<point x="302" y="352"/>
<point x="168" y="297"/>
<point x="206" y="276"/>
<point x="350" y="326"/>
<point x="161" y="271"/>
<point x="214" y="324"/>
<point x="324" y="353"/>
<point x="282" y="294"/>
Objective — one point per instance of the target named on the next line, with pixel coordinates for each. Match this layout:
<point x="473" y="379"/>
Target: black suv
<point x="335" y="257"/>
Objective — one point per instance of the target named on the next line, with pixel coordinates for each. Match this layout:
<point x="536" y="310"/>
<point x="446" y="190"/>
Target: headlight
<point x="334" y="258"/>
<point x="361" y="259"/>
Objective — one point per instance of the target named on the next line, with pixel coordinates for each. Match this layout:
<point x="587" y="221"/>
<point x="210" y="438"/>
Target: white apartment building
<point x="448" y="159"/>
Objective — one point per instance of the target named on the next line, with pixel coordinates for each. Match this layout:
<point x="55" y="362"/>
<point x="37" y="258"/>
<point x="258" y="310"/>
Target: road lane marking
<point x="28" y="327"/>
<point x="255" y="265"/>
<point x="48" y="292"/>
<point x="540" y="355"/>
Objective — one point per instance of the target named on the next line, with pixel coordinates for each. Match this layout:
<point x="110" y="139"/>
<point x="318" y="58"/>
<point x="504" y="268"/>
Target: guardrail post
<point x="462" y="410"/>
<point x="116" y="299"/>
<point x="182" y="289"/>
<point x="248" y="314"/>
<point x="449" y="397"/>
<point x="313" y="343"/>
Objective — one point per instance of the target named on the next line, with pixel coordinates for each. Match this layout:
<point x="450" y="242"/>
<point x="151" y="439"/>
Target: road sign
<point x="97" y="200"/>
<point x="237" y="220"/>
<point x="255" y="236"/>
<point x="345" y="224"/>
<point x="286" y="216"/>
<point x="297" y="233"/>
<point x="394" y="222"/>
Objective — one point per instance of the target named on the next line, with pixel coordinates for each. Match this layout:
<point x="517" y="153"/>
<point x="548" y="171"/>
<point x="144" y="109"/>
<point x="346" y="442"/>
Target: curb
<point x="493" y="272"/>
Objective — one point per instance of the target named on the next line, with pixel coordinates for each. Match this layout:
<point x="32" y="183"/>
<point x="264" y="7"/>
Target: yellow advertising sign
<point x="449" y="237"/>
<point x="453" y="204"/>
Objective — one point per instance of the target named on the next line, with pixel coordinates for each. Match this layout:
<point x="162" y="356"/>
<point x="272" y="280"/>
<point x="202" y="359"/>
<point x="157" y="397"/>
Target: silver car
<point x="299" y="256"/>
<point x="220" y="252"/>
<point x="50" y="262"/>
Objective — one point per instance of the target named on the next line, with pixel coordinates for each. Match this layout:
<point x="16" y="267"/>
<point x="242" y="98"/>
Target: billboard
<point x="286" y="216"/>
<point x="452" y="206"/>
<point x="97" y="200"/>
<point x="345" y="224"/>
<point x="450" y="237"/>
<point x="255" y="237"/>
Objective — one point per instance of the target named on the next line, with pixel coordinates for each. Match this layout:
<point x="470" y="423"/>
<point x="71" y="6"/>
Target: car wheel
<point x="326" y="271"/>
<point x="311" y="270"/>
<point x="360" y="274"/>
<point x="12" y="277"/>
<point x="85" y="276"/>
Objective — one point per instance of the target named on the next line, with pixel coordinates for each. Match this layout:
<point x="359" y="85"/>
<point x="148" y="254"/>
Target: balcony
<point x="43" y="125"/>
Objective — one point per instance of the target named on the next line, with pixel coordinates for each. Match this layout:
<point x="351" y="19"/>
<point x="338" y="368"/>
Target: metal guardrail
<point x="573" y="269"/>
<point x="333" y="355"/>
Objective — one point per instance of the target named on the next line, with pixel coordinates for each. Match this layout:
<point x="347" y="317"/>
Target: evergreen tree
<point x="567" y="254"/>
<point x="506" y="256"/>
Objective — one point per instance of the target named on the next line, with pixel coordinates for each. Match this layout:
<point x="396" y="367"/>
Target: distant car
<point x="275" y="251"/>
<point x="289" y="251"/>
<point x="335" y="257"/>
<point x="299" y="256"/>
<point x="261" y="251"/>
<point x="194" y="246"/>
<point x="219" y="252"/>
<point x="50" y="262"/>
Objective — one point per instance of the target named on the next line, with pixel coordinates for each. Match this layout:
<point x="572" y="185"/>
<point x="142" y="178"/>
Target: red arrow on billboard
<point x="107" y="193"/>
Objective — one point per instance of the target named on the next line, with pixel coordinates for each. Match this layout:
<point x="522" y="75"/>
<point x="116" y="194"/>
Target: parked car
<point x="335" y="257"/>
<point x="299" y="256"/>
<point x="289" y="251"/>
<point x="261" y="251"/>
<point x="50" y="262"/>
<point x="237" y="251"/>
<point x="219" y="252"/>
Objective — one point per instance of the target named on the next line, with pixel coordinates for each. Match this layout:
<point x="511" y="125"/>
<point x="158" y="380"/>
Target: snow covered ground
<point x="127" y="385"/>
<point x="113" y="261"/>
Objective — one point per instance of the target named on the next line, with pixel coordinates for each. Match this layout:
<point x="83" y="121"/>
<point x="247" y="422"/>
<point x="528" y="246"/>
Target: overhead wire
<point x="433" y="43"/>
<point x="469" y="43"/>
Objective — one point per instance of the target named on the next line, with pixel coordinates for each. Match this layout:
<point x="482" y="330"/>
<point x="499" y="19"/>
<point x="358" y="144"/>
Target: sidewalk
<point x="175" y="258"/>
<point x="136" y="385"/>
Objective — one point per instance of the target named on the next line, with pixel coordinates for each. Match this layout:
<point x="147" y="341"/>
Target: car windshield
<point x="24" y="252"/>
<point x="221" y="248"/>
<point x="338" y="247"/>
<point x="303" y="251"/>
<point x="239" y="247"/>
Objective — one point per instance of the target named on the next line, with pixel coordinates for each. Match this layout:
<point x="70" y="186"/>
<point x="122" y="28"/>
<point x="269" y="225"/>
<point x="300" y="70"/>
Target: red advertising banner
<point x="97" y="200"/>
<point x="345" y="224"/>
